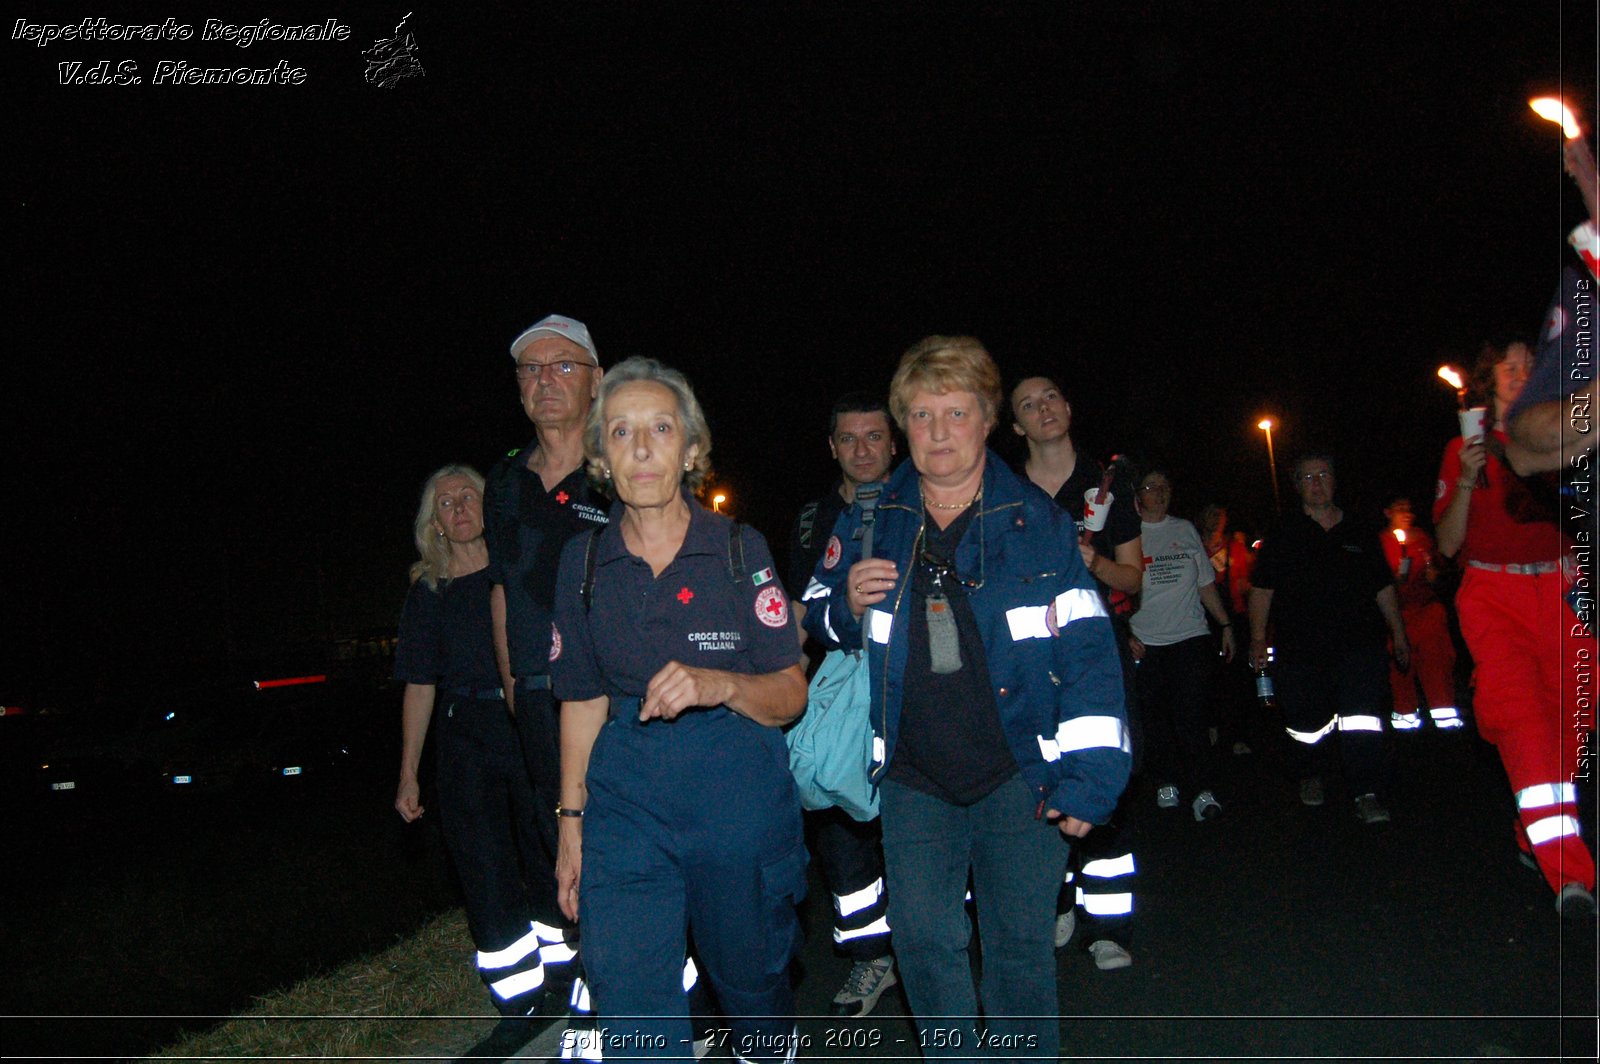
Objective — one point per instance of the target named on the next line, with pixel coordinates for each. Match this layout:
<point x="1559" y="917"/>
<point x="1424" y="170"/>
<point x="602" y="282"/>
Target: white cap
<point x="556" y="325"/>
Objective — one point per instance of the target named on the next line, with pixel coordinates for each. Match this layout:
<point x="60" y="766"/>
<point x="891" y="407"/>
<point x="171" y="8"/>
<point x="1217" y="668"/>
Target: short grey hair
<point x="690" y="416"/>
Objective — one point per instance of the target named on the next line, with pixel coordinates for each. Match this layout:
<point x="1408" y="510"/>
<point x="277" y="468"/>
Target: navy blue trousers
<point x="692" y="832"/>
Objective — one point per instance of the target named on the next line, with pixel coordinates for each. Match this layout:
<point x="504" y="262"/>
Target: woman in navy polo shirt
<point x="676" y="661"/>
<point x="446" y="658"/>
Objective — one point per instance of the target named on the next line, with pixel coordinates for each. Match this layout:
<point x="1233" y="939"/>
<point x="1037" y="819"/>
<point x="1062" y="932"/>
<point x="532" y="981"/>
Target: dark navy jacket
<point x="1049" y="646"/>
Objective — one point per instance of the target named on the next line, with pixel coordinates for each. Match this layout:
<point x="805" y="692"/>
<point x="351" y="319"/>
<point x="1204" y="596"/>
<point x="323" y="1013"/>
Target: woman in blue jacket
<point x="996" y="703"/>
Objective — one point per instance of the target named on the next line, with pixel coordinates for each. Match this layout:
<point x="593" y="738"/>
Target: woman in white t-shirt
<point x="1174" y="648"/>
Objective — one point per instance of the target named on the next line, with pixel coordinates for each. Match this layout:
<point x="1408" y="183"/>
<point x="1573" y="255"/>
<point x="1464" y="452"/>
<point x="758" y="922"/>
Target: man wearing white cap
<point x="536" y="498"/>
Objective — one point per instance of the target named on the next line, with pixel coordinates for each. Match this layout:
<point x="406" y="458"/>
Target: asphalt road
<point x="1273" y="932"/>
<point x="1279" y="931"/>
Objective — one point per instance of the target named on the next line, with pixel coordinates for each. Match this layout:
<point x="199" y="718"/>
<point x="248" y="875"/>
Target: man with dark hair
<point x="1322" y="580"/>
<point x="849" y="853"/>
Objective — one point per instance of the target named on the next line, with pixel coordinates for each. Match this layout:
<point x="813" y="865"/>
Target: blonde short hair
<point x="942" y="364"/>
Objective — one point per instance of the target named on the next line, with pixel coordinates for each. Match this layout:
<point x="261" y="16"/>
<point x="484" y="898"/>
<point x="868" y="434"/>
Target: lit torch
<point x="1554" y="109"/>
<point x="1452" y="376"/>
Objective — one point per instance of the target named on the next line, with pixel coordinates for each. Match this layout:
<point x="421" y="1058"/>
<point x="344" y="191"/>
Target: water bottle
<point x="1265" y="694"/>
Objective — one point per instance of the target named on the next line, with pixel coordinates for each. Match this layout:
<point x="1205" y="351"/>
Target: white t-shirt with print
<point x="1175" y="569"/>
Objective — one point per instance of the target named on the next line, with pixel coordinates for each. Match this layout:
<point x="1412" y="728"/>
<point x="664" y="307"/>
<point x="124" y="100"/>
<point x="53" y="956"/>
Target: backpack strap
<point x="586" y="592"/>
<point x="736" y="571"/>
<point x="867" y="500"/>
<point x="807" y="523"/>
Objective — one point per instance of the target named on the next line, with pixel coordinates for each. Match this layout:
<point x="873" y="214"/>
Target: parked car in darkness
<point x="279" y="728"/>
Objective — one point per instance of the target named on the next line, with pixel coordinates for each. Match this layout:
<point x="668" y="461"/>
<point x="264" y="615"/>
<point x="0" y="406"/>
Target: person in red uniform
<point x="1433" y="656"/>
<point x="1519" y="628"/>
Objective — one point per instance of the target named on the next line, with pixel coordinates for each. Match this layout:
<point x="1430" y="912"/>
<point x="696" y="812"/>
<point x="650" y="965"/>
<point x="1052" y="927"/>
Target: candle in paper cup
<point x="1094" y="513"/>
<point x="1472" y="420"/>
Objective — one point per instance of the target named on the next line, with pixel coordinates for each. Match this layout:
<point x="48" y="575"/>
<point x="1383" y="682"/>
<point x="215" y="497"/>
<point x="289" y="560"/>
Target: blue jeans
<point x="1016" y="863"/>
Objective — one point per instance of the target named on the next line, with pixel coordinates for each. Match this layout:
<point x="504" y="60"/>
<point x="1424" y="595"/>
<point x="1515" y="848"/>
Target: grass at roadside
<point x="409" y="1000"/>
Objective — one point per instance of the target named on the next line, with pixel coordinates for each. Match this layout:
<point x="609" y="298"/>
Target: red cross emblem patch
<point x="684" y="596"/>
<point x="562" y="497"/>
<point x="835" y="551"/>
<point x="772" y="609"/>
<point x="555" y="642"/>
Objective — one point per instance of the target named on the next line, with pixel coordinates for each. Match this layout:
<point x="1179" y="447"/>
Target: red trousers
<point x="1529" y="668"/>
<point x="1433" y="661"/>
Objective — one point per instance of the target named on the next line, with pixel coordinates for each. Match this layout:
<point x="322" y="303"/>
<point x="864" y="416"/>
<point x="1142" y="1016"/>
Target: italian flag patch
<point x="762" y="577"/>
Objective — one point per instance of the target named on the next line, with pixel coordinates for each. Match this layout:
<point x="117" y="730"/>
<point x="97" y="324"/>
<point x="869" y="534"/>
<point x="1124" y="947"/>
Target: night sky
<point x="246" y="321"/>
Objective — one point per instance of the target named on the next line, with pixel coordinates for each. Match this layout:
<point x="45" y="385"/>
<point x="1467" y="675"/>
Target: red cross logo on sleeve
<point x="684" y="596"/>
<point x="562" y="497"/>
<point x="772" y="609"/>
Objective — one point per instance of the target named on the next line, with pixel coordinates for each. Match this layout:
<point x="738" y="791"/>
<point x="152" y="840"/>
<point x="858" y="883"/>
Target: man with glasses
<point x="537" y="498"/>
<point x="1322" y="579"/>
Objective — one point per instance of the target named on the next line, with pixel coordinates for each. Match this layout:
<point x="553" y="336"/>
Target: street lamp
<point x="716" y="502"/>
<point x="1265" y="425"/>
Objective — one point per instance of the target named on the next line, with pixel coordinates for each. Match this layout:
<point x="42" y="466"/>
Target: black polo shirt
<point x="699" y="611"/>
<point x="525" y="528"/>
<point x="446" y="636"/>
<point x="1325" y="584"/>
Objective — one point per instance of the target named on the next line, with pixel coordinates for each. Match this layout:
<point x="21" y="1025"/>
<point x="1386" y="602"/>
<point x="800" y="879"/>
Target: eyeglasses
<point x="939" y="568"/>
<point x="527" y="371"/>
<point x="1319" y="477"/>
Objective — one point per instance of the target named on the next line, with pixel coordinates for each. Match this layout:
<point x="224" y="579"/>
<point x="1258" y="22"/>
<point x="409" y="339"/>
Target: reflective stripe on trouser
<point x="513" y="974"/>
<point x="849" y="855"/>
<point x="1526" y="665"/>
<point x="661" y="860"/>
<point x="486" y="809"/>
<point x="1104" y="885"/>
<point x="1433" y="666"/>
<point x="1339" y="692"/>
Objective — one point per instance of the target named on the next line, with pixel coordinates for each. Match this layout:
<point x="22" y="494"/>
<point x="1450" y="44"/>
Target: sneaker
<point x="1167" y="797"/>
<point x="1575" y="900"/>
<point x="1370" y="810"/>
<point x="1206" y="806"/>
<point x="1109" y="956"/>
<point x="866" y="984"/>
<point x="1066" y="924"/>
<point x="1311" y="790"/>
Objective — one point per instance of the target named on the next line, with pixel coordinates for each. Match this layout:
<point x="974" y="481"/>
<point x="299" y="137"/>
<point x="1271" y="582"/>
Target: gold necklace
<point x="951" y="505"/>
